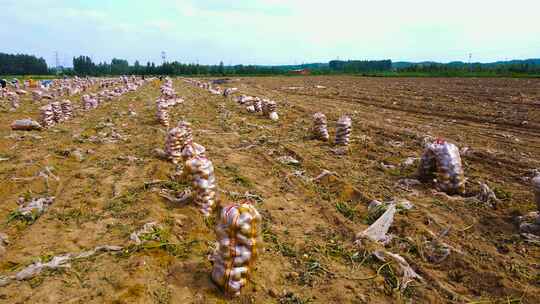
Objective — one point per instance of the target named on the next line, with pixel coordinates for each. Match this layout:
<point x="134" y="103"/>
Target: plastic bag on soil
<point x="34" y="269"/>
<point x="383" y="216"/>
<point x="377" y="232"/>
<point x="26" y="125"/>
<point x="61" y="261"/>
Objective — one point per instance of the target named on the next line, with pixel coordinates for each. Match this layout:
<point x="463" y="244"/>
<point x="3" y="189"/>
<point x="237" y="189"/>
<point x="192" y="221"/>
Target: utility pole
<point x="470" y="62"/>
<point x="56" y="61"/>
<point x="163" y="56"/>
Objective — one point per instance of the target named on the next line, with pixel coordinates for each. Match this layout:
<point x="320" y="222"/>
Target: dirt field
<point x="309" y="227"/>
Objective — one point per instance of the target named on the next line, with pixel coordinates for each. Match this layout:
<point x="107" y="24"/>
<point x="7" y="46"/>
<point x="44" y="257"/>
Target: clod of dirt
<point x="131" y="110"/>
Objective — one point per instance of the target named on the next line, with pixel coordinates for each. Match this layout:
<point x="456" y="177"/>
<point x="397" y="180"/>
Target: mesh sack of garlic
<point x="163" y="115"/>
<point x="67" y="109"/>
<point x="320" y="127"/>
<point x="58" y="116"/>
<point x="203" y="183"/>
<point x="239" y="243"/>
<point x="441" y="161"/>
<point x="343" y="131"/>
<point x="47" y="116"/>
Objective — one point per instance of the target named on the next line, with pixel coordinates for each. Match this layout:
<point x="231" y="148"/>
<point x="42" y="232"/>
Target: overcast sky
<point x="271" y="31"/>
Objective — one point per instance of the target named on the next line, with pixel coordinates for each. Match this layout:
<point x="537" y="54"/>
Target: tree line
<point x="20" y="64"/>
<point x="360" y="66"/>
<point x="84" y="66"/>
<point x="530" y="66"/>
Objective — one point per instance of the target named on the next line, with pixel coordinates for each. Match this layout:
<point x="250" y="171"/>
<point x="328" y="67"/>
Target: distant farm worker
<point x="3" y="83"/>
<point x="15" y="83"/>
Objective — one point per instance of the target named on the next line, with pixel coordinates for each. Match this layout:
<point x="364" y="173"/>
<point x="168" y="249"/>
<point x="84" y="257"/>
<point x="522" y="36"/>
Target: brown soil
<point x="309" y="254"/>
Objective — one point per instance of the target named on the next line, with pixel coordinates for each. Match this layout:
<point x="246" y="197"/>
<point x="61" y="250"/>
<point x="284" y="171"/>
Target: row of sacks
<point x="266" y="107"/>
<point x="206" y="86"/>
<point x="196" y="167"/>
<point x="238" y="226"/>
<point x="59" y="111"/>
<point x="122" y="85"/>
<point x="63" y="88"/>
<point x="56" y="87"/>
<point x="167" y="99"/>
<point x="259" y="105"/>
